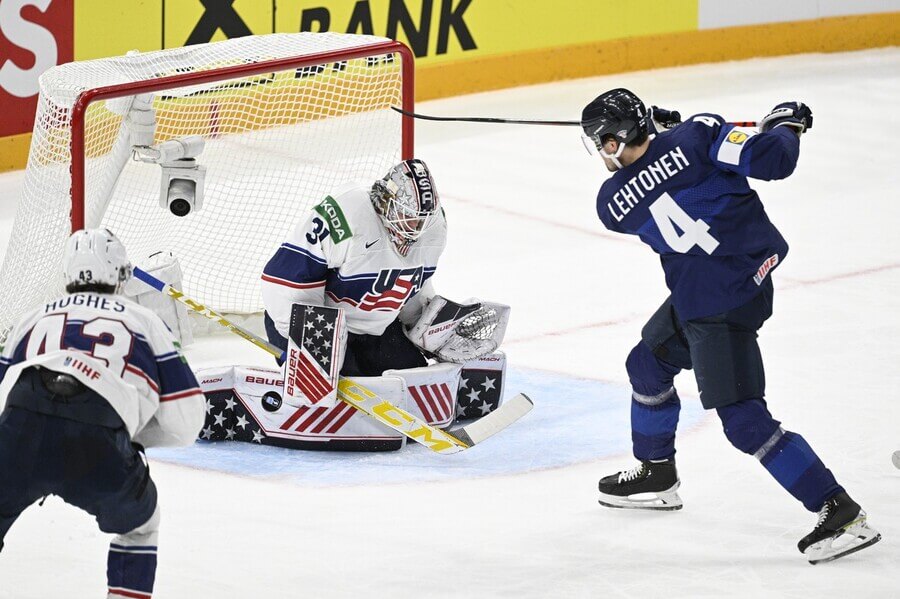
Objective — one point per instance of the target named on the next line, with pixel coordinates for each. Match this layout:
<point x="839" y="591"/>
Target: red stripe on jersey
<point x="118" y="592"/>
<point x="180" y="395"/>
<point x="135" y="370"/>
<point x="337" y="299"/>
<point x="292" y="284"/>
<point x="381" y="305"/>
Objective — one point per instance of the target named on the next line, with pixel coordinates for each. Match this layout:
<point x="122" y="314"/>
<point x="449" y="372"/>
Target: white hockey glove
<point x="460" y="332"/>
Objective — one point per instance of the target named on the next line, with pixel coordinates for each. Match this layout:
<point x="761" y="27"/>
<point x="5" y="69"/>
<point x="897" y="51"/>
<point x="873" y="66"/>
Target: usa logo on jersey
<point x="391" y="289"/>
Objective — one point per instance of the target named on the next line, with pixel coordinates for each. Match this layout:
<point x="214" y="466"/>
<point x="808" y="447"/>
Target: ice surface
<point x="518" y="516"/>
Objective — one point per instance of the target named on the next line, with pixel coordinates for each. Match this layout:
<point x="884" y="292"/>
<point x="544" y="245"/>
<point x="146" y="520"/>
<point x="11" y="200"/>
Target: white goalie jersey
<point x="343" y="256"/>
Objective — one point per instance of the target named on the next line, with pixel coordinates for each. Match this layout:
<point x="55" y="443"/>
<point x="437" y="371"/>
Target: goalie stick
<point x="364" y="400"/>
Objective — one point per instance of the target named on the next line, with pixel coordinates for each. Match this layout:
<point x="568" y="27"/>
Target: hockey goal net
<point x="284" y="120"/>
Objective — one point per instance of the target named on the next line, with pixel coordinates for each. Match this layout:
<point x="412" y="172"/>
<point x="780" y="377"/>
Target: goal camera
<point x="181" y="186"/>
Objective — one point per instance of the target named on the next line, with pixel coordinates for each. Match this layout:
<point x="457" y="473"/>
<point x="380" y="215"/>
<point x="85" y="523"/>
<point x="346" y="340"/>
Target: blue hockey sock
<point x="131" y="570"/>
<point x="654" y="405"/>
<point x="786" y="455"/>
<point x="799" y="470"/>
<point x="653" y="428"/>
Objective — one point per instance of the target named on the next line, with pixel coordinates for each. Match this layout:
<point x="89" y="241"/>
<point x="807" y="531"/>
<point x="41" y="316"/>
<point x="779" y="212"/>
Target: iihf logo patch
<point x="767" y="266"/>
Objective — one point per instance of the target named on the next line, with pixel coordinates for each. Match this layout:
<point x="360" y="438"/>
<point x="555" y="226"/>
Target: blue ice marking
<point x="573" y="420"/>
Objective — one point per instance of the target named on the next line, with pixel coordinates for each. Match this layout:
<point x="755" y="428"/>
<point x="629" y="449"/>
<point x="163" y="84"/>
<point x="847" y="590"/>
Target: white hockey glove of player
<point x="458" y="333"/>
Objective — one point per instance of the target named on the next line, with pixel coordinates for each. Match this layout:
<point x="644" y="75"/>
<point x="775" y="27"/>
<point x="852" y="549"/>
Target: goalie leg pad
<point x="246" y="404"/>
<point x="481" y="386"/>
<point x="431" y="392"/>
<point x="317" y="342"/>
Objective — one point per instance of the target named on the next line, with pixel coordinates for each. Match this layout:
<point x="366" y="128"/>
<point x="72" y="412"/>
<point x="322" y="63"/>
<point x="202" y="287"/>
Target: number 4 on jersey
<point x="668" y="215"/>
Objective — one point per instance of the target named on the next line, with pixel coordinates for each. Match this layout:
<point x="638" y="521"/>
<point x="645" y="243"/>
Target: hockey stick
<point x="364" y="400"/>
<point x="481" y="119"/>
<point x="484" y="119"/>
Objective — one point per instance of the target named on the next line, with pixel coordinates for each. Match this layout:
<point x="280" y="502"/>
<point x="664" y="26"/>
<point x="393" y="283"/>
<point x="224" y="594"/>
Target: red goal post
<point x="204" y="77"/>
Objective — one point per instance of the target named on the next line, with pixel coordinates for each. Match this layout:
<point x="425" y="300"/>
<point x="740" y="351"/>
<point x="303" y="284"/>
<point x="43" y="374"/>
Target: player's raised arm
<point x="769" y="153"/>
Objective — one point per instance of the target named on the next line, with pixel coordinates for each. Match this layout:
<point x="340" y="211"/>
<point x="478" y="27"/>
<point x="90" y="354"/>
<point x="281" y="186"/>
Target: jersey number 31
<point x="668" y="215"/>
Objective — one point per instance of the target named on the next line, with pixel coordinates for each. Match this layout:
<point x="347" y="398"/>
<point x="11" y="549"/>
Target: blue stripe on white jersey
<point x="174" y="377"/>
<point x="165" y="374"/>
<point x="296" y="265"/>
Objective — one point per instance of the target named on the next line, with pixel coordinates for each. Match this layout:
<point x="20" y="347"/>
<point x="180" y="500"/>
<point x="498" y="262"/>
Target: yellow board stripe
<point x="834" y="34"/>
<point x="14" y="152"/>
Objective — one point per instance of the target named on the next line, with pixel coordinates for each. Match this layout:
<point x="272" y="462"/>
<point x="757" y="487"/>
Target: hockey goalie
<point x="350" y="294"/>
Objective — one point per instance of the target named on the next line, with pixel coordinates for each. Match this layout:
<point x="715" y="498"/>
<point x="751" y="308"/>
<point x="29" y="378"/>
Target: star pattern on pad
<point x="479" y="392"/>
<point x="228" y="420"/>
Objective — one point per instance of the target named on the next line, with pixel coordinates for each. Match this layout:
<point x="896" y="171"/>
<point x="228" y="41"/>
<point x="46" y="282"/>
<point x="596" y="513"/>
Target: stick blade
<point x="496" y="421"/>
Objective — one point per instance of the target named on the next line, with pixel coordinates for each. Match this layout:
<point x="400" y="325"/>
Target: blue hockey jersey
<point x="688" y="198"/>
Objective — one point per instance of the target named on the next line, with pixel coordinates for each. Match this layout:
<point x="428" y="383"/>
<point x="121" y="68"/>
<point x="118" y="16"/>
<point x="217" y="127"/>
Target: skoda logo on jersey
<point x="392" y="288"/>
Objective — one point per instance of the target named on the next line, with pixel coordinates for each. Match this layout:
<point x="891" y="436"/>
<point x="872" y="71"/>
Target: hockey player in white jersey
<point x="370" y="251"/>
<point x="88" y="380"/>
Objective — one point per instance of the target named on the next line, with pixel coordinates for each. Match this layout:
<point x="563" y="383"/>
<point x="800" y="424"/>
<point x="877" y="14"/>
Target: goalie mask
<point x="95" y="260"/>
<point x="407" y="201"/>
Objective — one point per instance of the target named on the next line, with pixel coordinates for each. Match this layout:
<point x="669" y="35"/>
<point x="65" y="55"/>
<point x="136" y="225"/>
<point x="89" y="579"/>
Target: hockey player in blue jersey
<point x="88" y="380"/>
<point x="684" y="192"/>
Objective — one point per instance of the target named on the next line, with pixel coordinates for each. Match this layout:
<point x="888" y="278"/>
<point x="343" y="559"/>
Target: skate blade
<point x="665" y="501"/>
<point x="856" y="537"/>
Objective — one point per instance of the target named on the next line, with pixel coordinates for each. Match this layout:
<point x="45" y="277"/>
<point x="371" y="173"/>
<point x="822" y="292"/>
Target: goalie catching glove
<point x="458" y="333"/>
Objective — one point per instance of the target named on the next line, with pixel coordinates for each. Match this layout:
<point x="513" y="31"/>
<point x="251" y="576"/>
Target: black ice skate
<point x="650" y="486"/>
<point x="840" y="520"/>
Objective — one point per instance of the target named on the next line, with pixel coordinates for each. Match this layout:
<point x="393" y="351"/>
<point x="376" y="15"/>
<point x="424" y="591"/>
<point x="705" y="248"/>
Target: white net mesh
<point x="275" y="144"/>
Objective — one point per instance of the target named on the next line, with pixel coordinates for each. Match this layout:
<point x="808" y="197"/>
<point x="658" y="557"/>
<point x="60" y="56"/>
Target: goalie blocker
<point x="247" y="404"/>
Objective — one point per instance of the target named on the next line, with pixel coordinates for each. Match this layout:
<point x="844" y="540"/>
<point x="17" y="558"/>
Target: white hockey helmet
<point x="95" y="259"/>
<point x="406" y="200"/>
